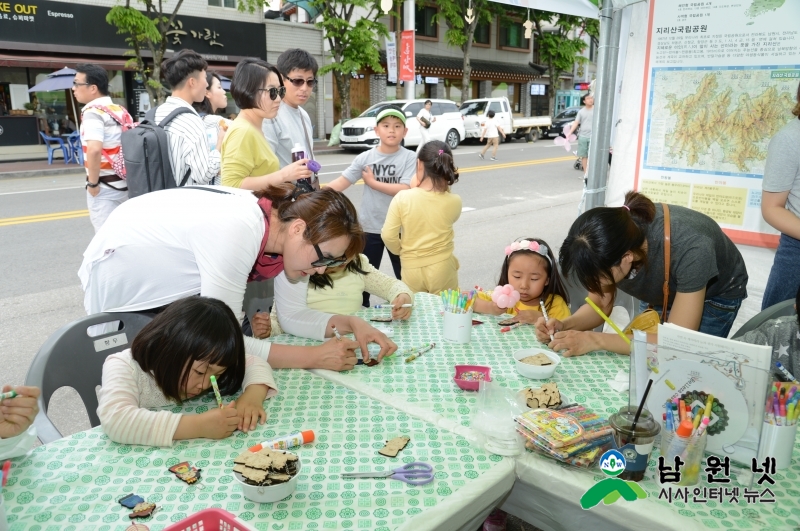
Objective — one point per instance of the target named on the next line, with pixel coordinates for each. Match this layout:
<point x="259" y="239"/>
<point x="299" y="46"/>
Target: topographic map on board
<point x="717" y="120"/>
<point x="759" y="7"/>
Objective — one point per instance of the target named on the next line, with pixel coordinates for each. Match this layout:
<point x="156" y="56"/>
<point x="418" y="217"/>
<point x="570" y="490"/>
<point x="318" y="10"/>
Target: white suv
<point x="359" y="133"/>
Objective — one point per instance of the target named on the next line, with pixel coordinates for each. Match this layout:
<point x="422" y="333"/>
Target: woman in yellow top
<point x="425" y="216"/>
<point x="247" y="159"/>
<point x="530" y="268"/>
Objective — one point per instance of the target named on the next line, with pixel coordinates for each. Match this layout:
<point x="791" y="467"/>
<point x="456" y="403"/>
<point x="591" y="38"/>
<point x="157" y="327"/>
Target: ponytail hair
<point x="328" y="214"/>
<point x="600" y="237"/>
<point x="437" y="160"/>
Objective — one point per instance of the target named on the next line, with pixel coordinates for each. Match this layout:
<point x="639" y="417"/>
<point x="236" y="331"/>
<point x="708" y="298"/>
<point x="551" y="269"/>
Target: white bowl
<point x="537" y="372"/>
<point x="269" y="493"/>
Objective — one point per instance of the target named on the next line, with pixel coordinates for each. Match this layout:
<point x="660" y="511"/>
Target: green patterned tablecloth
<point x="73" y="484"/>
<point x="425" y="389"/>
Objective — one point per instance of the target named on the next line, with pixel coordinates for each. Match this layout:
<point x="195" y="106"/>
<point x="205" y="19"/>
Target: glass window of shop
<point x="13" y="80"/>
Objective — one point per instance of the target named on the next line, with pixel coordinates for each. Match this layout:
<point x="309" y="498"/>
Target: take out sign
<point x="22" y="9"/>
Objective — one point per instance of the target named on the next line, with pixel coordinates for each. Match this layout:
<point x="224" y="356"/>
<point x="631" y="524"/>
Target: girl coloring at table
<point x="425" y="216"/>
<point x="172" y="360"/>
<point x="339" y="291"/>
<point x="529" y="267"/>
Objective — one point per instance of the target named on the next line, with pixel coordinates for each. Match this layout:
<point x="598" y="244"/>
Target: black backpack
<point x="146" y="152"/>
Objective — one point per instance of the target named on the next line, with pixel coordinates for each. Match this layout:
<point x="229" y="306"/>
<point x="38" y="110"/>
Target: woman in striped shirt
<point x="172" y="360"/>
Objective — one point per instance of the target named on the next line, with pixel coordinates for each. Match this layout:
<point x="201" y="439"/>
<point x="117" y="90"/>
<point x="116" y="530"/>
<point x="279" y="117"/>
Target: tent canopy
<point x="580" y="8"/>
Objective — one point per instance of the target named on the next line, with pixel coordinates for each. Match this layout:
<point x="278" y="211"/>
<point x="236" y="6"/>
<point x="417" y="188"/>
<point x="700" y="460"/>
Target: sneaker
<point x="493" y="158"/>
<point x="585" y="177"/>
<point x="480" y="155"/>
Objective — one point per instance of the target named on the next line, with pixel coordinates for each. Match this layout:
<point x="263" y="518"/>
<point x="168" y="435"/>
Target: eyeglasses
<point x="275" y="92"/>
<point x="324" y="261"/>
<point x="299" y="82"/>
<point x="76" y="84"/>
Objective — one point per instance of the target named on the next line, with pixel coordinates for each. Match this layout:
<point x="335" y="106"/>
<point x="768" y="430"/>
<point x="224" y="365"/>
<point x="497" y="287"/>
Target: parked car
<point x="448" y="126"/>
<point x="567" y="116"/>
<point x="474" y="113"/>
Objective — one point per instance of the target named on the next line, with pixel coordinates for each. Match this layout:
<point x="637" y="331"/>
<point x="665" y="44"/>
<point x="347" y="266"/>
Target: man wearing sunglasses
<point x="292" y="125"/>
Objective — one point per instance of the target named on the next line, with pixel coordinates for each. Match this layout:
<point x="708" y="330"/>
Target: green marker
<point x="216" y="390"/>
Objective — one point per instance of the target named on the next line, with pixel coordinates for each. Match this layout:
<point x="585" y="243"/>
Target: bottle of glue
<point x="680" y="441"/>
<point x="297" y="438"/>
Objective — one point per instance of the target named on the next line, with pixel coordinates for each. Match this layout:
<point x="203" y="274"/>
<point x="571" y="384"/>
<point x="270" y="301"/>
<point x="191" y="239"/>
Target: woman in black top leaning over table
<point x="623" y="247"/>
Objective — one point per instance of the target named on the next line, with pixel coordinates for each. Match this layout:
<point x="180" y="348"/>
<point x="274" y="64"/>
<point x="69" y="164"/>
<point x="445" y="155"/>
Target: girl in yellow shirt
<point x="419" y="223"/>
<point x="530" y="268"/>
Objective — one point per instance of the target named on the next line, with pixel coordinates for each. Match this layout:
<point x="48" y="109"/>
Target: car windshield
<point x="373" y="111"/>
<point x="472" y="107"/>
<point x="569" y="113"/>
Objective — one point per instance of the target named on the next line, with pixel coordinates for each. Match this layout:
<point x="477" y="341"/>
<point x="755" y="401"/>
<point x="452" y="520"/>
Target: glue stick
<point x="297" y="438"/>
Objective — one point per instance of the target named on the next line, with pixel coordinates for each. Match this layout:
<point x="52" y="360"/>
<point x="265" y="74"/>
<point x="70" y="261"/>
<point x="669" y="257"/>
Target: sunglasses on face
<point x="76" y="84"/>
<point x="274" y="92"/>
<point x="324" y="261"/>
<point x="299" y="82"/>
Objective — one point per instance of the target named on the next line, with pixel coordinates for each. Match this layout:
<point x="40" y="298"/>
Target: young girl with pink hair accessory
<point x="530" y="270"/>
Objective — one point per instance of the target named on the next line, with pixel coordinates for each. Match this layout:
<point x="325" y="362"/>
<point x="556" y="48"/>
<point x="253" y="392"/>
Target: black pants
<point x="373" y="250"/>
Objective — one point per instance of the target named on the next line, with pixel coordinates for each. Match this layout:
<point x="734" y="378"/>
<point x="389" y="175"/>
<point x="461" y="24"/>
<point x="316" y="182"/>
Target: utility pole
<point x="409" y="13"/>
<point x="608" y="56"/>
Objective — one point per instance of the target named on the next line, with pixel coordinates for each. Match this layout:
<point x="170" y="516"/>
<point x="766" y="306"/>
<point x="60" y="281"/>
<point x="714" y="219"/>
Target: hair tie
<point x="626" y="207"/>
<point x="441" y="151"/>
<point x="528" y="245"/>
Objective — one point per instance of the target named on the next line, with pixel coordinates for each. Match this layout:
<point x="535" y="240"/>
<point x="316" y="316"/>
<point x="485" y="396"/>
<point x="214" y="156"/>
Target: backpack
<point x="146" y="154"/>
<point x="117" y="161"/>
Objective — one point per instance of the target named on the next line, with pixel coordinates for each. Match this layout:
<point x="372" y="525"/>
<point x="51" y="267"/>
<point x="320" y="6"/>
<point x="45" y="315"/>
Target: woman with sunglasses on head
<point x="248" y="161"/>
<point x="211" y="241"/>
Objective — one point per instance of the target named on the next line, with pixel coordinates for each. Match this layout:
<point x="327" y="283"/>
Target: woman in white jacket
<point x="170" y="244"/>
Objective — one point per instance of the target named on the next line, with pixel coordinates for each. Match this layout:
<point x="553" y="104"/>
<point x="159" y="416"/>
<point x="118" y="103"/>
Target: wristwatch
<point x="92" y="185"/>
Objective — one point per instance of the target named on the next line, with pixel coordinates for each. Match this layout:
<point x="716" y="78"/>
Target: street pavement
<point x="531" y="191"/>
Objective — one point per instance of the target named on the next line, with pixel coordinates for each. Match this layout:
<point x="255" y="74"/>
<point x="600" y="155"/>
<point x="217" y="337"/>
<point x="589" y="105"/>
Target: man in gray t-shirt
<point x="780" y="206"/>
<point x="584" y="121"/>
<point x="386" y="169"/>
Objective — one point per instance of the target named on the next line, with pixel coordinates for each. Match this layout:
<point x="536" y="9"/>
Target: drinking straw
<point x="641" y="405"/>
<point x="608" y="320"/>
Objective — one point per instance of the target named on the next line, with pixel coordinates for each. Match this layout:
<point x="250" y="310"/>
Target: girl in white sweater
<point x="172" y="360"/>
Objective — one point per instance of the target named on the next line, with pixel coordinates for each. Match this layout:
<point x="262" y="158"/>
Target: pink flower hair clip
<point x="441" y="151"/>
<point x="528" y="245"/>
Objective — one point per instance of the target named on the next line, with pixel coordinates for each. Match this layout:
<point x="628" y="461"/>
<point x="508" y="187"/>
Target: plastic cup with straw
<point x="641" y="406"/>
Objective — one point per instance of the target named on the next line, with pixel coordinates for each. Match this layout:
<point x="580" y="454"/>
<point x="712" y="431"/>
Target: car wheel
<point x="453" y="139"/>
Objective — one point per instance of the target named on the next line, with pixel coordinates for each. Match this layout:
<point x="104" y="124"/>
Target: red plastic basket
<point x="210" y="520"/>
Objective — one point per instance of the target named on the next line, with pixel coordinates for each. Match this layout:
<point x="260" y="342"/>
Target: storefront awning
<point x="56" y="62"/>
<point x="453" y="67"/>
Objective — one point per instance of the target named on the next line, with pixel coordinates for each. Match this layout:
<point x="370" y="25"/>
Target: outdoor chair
<point x="773" y="312"/>
<point x="75" y="147"/>
<point x="54" y="143"/>
<point x="71" y="358"/>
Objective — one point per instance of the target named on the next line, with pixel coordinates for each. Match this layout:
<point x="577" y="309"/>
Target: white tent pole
<point x="608" y="54"/>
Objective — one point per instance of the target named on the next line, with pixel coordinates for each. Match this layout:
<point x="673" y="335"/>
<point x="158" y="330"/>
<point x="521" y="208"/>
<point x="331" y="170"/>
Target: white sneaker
<point x="493" y="158"/>
<point x="480" y="155"/>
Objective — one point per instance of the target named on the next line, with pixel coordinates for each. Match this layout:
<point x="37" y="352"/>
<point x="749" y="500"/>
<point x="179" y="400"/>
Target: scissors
<point x="412" y="473"/>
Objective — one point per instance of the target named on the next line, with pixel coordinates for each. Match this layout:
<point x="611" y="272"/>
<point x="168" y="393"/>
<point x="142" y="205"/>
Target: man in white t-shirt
<point x="100" y="140"/>
<point x="425" y="119"/>
<point x="492" y="131"/>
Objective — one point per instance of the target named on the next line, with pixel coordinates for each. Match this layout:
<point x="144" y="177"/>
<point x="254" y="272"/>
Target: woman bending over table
<point x="339" y="291"/>
<point x="610" y="248"/>
<point x="210" y="241"/>
<point x="173" y="359"/>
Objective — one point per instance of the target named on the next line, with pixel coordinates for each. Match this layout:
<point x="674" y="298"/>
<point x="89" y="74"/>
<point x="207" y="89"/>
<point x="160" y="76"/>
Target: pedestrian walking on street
<point x="425" y="119"/>
<point x="491" y="131"/>
<point x="584" y="121"/>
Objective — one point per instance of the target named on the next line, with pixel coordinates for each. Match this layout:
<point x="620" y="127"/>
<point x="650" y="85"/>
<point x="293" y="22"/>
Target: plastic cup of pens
<point x="780" y="425"/>
<point x="634" y="442"/>
<point x="457" y="326"/>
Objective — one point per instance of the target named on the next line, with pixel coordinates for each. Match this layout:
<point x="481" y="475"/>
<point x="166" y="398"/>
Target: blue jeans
<point x="718" y="315"/>
<point x="784" y="277"/>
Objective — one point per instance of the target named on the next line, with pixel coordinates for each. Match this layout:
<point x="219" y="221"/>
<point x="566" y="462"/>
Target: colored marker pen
<point x="216" y="390"/>
<point x="10" y="394"/>
<point x="390" y="306"/>
<point x="298" y="438"/>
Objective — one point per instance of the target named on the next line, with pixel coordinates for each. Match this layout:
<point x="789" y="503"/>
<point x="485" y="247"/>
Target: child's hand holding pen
<point x="17" y="413"/>
<point x="398" y="312"/>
